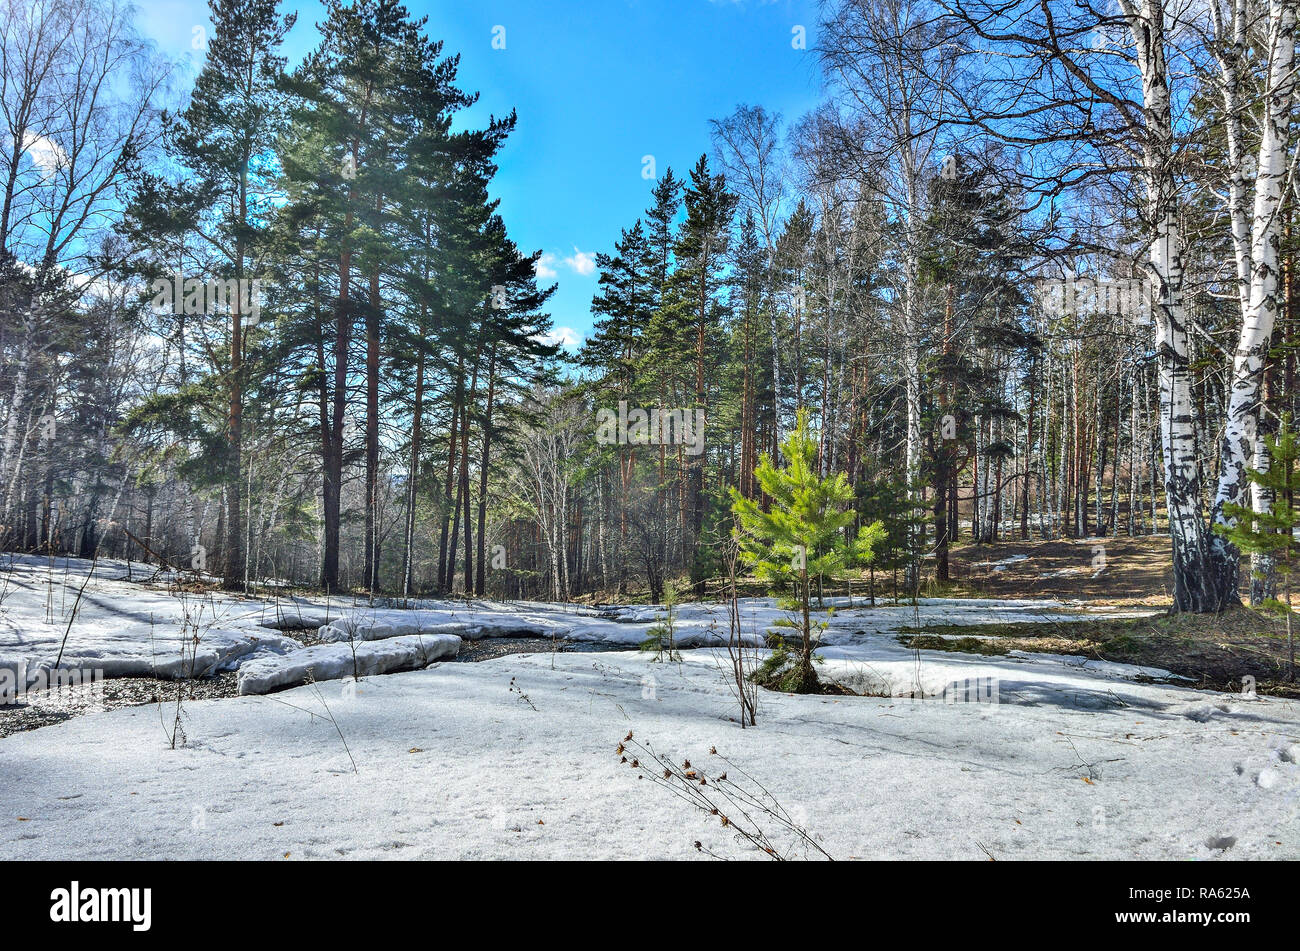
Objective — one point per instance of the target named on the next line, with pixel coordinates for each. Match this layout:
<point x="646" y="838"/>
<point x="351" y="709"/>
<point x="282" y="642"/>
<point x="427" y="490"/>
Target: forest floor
<point x="1120" y="571"/>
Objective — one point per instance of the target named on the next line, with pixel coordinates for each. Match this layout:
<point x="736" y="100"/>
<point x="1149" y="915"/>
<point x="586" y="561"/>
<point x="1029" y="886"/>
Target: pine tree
<point x="695" y="317"/>
<point x="514" y="330"/>
<point x="793" y="260"/>
<point x="799" y="540"/>
<point x="1274" y="532"/>
<point x="974" y="251"/>
<point x="661" y="638"/>
<point x="625" y="303"/>
<point x="887" y="503"/>
<point x="749" y="346"/>
<point x="660" y="216"/>
<point x="223" y="143"/>
<point x="364" y="99"/>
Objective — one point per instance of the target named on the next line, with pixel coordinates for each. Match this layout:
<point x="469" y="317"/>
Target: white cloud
<point x="566" y="337"/>
<point x="45" y="152"/>
<point x="581" y="262"/>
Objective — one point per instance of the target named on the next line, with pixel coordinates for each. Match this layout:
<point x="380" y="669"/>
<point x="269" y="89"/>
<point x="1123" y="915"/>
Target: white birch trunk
<point x="1257" y="242"/>
<point x="1194" y="588"/>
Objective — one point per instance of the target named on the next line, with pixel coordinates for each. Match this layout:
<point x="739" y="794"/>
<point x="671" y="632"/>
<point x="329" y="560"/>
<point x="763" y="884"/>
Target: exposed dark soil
<point x="47" y="707"/>
<point x="492" y="647"/>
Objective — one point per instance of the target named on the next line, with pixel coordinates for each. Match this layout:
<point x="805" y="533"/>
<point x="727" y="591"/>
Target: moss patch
<point x="963" y="645"/>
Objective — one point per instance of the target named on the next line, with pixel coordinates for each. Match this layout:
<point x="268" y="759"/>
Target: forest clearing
<point x="1040" y="754"/>
<point x="726" y="429"/>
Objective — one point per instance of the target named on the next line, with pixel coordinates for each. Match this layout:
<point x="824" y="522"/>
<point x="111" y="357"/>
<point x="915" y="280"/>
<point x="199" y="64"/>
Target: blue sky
<point x="598" y="86"/>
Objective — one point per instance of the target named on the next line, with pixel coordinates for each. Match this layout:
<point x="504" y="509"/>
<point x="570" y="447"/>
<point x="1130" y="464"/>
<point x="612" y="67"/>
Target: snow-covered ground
<point x="1027" y="755"/>
<point x="453" y="763"/>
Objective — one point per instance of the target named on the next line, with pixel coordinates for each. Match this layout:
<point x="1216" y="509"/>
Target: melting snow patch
<point x="1110" y="667"/>
<point x="1001" y="565"/>
<point x="333" y="661"/>
<point x="698" y="625"/>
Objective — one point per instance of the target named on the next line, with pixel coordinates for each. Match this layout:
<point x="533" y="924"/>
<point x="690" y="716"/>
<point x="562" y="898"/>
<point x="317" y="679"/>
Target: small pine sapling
<point x="661" y="639"/>
<point x="799" y="539"/>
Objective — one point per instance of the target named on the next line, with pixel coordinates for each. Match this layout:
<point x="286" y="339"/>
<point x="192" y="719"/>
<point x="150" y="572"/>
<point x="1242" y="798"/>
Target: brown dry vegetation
<point x="1138" y="571"/>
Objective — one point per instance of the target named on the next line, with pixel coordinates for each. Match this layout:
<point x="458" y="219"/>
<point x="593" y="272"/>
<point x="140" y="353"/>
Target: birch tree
<point x="1091" y="99"/>
<point x="747" y="147"/>
<point x="1246" y="38"/>
<point x="889" y="69"/>
<point x="79" y="97"/>
<point x="543" y="484"/>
